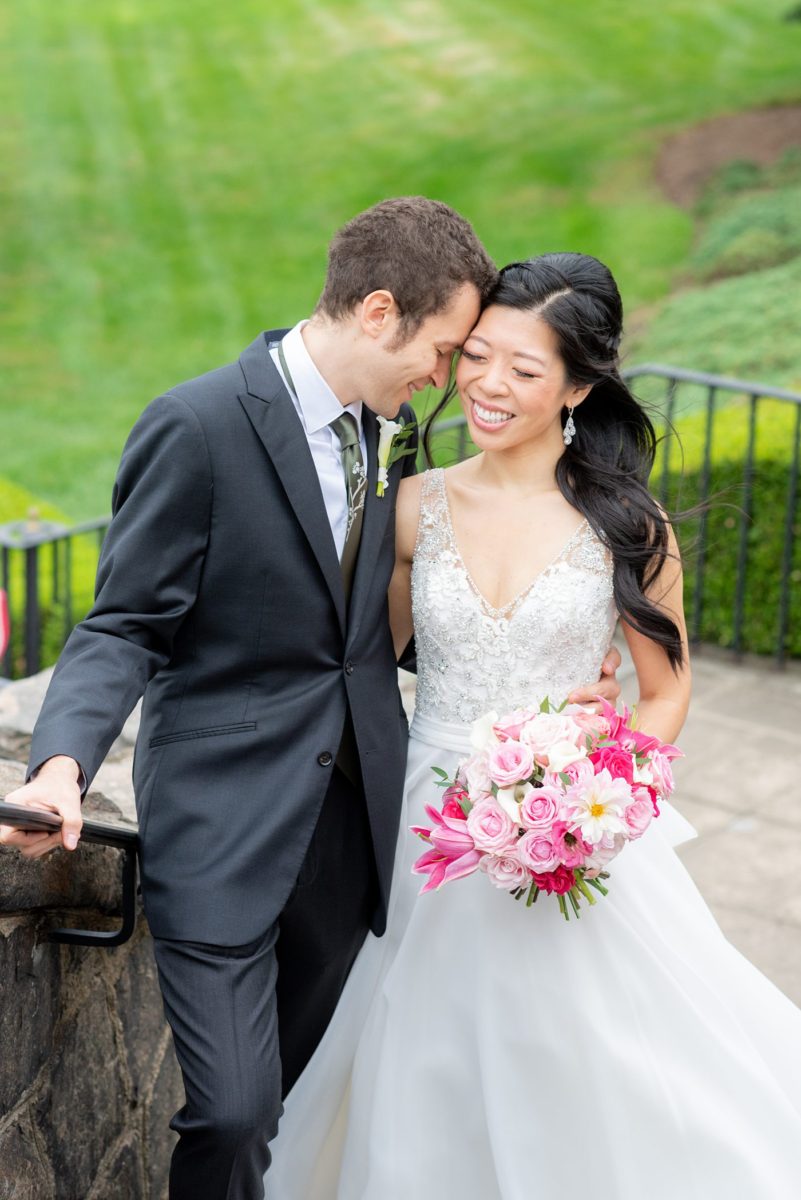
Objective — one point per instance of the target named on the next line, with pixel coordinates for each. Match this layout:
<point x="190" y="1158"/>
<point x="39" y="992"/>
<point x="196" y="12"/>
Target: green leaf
<point x="395" y="455"/>
<point x="439" y="771"/>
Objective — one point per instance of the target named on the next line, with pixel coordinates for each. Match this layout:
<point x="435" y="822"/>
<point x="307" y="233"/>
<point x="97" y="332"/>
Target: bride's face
<point x="512" y="382"/>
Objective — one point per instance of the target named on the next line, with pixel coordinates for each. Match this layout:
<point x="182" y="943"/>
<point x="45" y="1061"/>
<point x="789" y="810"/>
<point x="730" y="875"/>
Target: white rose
<point x="547" y="729"/>
<point x="476" y="777"/>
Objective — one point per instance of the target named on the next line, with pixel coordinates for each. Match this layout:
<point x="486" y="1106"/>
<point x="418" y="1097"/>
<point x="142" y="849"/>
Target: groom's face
<point x="397" y="370"/>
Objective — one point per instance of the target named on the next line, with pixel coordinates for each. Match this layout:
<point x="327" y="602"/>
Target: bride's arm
<point x="407" y="517"/>
<point x="664" y="693"/>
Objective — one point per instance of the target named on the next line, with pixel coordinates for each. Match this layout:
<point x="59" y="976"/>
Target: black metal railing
<point x="99" y="833"/>
<point x="751" y="527"/>
<point x="745" y="540"/>
<point x="46" y="590"/>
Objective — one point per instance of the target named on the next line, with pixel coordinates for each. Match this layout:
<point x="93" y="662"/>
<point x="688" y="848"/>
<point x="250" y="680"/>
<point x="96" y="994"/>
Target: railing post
<point x="671" y="405"/>
<point x="32" y="617"/>
<point x="706" y="476"/>
<point x="745" y="521"/>
<point x="8" y="656"/>
<point x="789" y="540"/>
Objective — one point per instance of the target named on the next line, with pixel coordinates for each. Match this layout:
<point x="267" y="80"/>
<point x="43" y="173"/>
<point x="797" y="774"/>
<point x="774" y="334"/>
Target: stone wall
<point x="88" y="1078"/>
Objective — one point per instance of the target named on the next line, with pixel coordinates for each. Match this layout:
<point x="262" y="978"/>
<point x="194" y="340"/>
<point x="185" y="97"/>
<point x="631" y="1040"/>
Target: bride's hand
<point x="607" y="686"/>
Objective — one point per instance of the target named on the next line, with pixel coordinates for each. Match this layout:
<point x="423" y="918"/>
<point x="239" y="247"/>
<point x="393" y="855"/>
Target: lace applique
<point x="472" y="657"/>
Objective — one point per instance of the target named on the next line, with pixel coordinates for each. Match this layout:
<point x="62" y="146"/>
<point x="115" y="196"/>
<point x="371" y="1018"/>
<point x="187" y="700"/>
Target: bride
<point x="483" y="1050"/>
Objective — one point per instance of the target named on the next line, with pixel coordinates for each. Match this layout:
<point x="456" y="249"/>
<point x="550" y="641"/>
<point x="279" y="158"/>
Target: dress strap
<point x="433" y="526"/>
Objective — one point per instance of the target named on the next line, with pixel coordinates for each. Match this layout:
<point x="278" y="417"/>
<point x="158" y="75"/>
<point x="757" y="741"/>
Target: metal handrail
<point x="748" y="388"/>
<point x="753" y="394"/>
<point x="99" y="833"/>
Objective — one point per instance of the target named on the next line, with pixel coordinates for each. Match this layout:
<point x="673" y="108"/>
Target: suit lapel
<point x="376" y="514"/>
<point x="275" y="421"/>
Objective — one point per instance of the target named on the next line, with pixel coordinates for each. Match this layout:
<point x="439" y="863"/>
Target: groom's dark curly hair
<point x="420" y="250"/>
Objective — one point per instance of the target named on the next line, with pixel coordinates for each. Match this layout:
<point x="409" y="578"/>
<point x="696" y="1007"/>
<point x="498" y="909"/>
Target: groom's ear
<point x="379" y="315"/>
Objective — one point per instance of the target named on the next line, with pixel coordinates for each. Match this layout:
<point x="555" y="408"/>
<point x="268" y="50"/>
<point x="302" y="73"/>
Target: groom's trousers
<point x="246" y="1019"/>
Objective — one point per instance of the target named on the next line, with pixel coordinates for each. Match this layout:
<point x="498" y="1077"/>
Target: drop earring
<point x="569" y="431"/>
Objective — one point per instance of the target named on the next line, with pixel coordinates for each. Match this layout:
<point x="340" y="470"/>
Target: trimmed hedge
<point x="764" y="547"/>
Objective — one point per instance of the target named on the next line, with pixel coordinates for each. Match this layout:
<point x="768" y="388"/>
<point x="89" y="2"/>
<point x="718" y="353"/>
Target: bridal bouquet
<point x="548" y="798"/>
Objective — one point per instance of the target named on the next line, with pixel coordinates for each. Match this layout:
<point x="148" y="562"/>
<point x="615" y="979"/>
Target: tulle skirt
<point x="485" y="1051"/>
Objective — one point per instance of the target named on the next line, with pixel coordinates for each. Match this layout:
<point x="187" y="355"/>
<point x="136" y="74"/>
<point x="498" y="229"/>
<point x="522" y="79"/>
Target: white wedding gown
<point x="485" y="1051"/>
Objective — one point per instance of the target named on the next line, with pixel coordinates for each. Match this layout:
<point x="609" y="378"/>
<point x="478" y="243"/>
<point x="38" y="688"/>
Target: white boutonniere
<point x="391" y="446"/>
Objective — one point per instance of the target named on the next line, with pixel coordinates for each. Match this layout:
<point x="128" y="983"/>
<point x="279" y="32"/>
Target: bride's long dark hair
<point x="604" y="471"/>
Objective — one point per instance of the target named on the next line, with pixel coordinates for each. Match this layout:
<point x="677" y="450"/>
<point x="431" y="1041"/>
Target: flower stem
<point x="533" y="892"/>
<point x="585" y="891"/>
<point x="563" y="908"/>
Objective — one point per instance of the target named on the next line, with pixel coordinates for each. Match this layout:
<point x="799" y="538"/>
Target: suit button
<point x="348" y="667"/>
<point x="325" y="759"/>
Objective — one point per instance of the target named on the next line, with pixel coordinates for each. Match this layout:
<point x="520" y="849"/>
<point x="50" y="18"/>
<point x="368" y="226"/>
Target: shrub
<point x="765" y="536"/>
<point x="753" y="232"/>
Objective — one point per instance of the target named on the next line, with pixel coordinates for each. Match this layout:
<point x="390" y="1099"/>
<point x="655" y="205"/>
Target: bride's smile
<point x="512" y="382"/>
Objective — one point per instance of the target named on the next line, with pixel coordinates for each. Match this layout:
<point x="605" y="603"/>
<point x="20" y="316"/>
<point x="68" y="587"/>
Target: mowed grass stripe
<point x="178" y="172"/>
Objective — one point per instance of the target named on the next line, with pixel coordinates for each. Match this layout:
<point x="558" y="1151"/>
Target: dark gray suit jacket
<point x="219" y="596"/>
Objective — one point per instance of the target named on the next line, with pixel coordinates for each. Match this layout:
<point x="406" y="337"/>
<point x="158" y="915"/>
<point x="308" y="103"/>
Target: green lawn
<point x="172" y="172"/>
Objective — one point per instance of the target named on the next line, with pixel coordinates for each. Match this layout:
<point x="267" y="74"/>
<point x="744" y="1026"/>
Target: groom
<point x="242" y="588"/>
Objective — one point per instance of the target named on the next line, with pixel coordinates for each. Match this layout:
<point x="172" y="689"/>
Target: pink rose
<point x="589" y="722"/>
<point x="560" y="880"/>
<point x="661" y="770"/>
<point x="505" y="871"/>
<point x="579" y="771"/>
<point x="451" y="802"/>
<point x="491" y="829"/>
<point x="509" y="726"/>
<point x="509" y="763"/>
<point x="639" y="814"/>
<point x="540" y="808"/>
<point x="536" y="851"/>
<point x="617" y="762"/>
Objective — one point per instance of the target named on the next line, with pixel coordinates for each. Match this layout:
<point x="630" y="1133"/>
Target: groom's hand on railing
<point x="55" y="789"/>
<point x="607" y="686"/>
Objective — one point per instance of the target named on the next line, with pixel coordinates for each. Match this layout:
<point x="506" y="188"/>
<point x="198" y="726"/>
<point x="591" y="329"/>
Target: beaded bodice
<point x="471" y="657"/>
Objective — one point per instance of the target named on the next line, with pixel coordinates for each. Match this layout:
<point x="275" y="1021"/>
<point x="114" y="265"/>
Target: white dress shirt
<point x="317" y="406"/>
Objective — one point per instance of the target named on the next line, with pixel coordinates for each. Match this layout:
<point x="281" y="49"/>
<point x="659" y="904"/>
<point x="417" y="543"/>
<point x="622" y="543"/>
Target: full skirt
<point x="488" y="1051"/>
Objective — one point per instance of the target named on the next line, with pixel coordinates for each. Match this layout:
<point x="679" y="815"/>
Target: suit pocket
<point x="189" y="735"/>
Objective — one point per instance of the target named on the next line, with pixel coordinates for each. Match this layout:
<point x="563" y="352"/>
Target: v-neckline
<point x="511" y="606"/>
